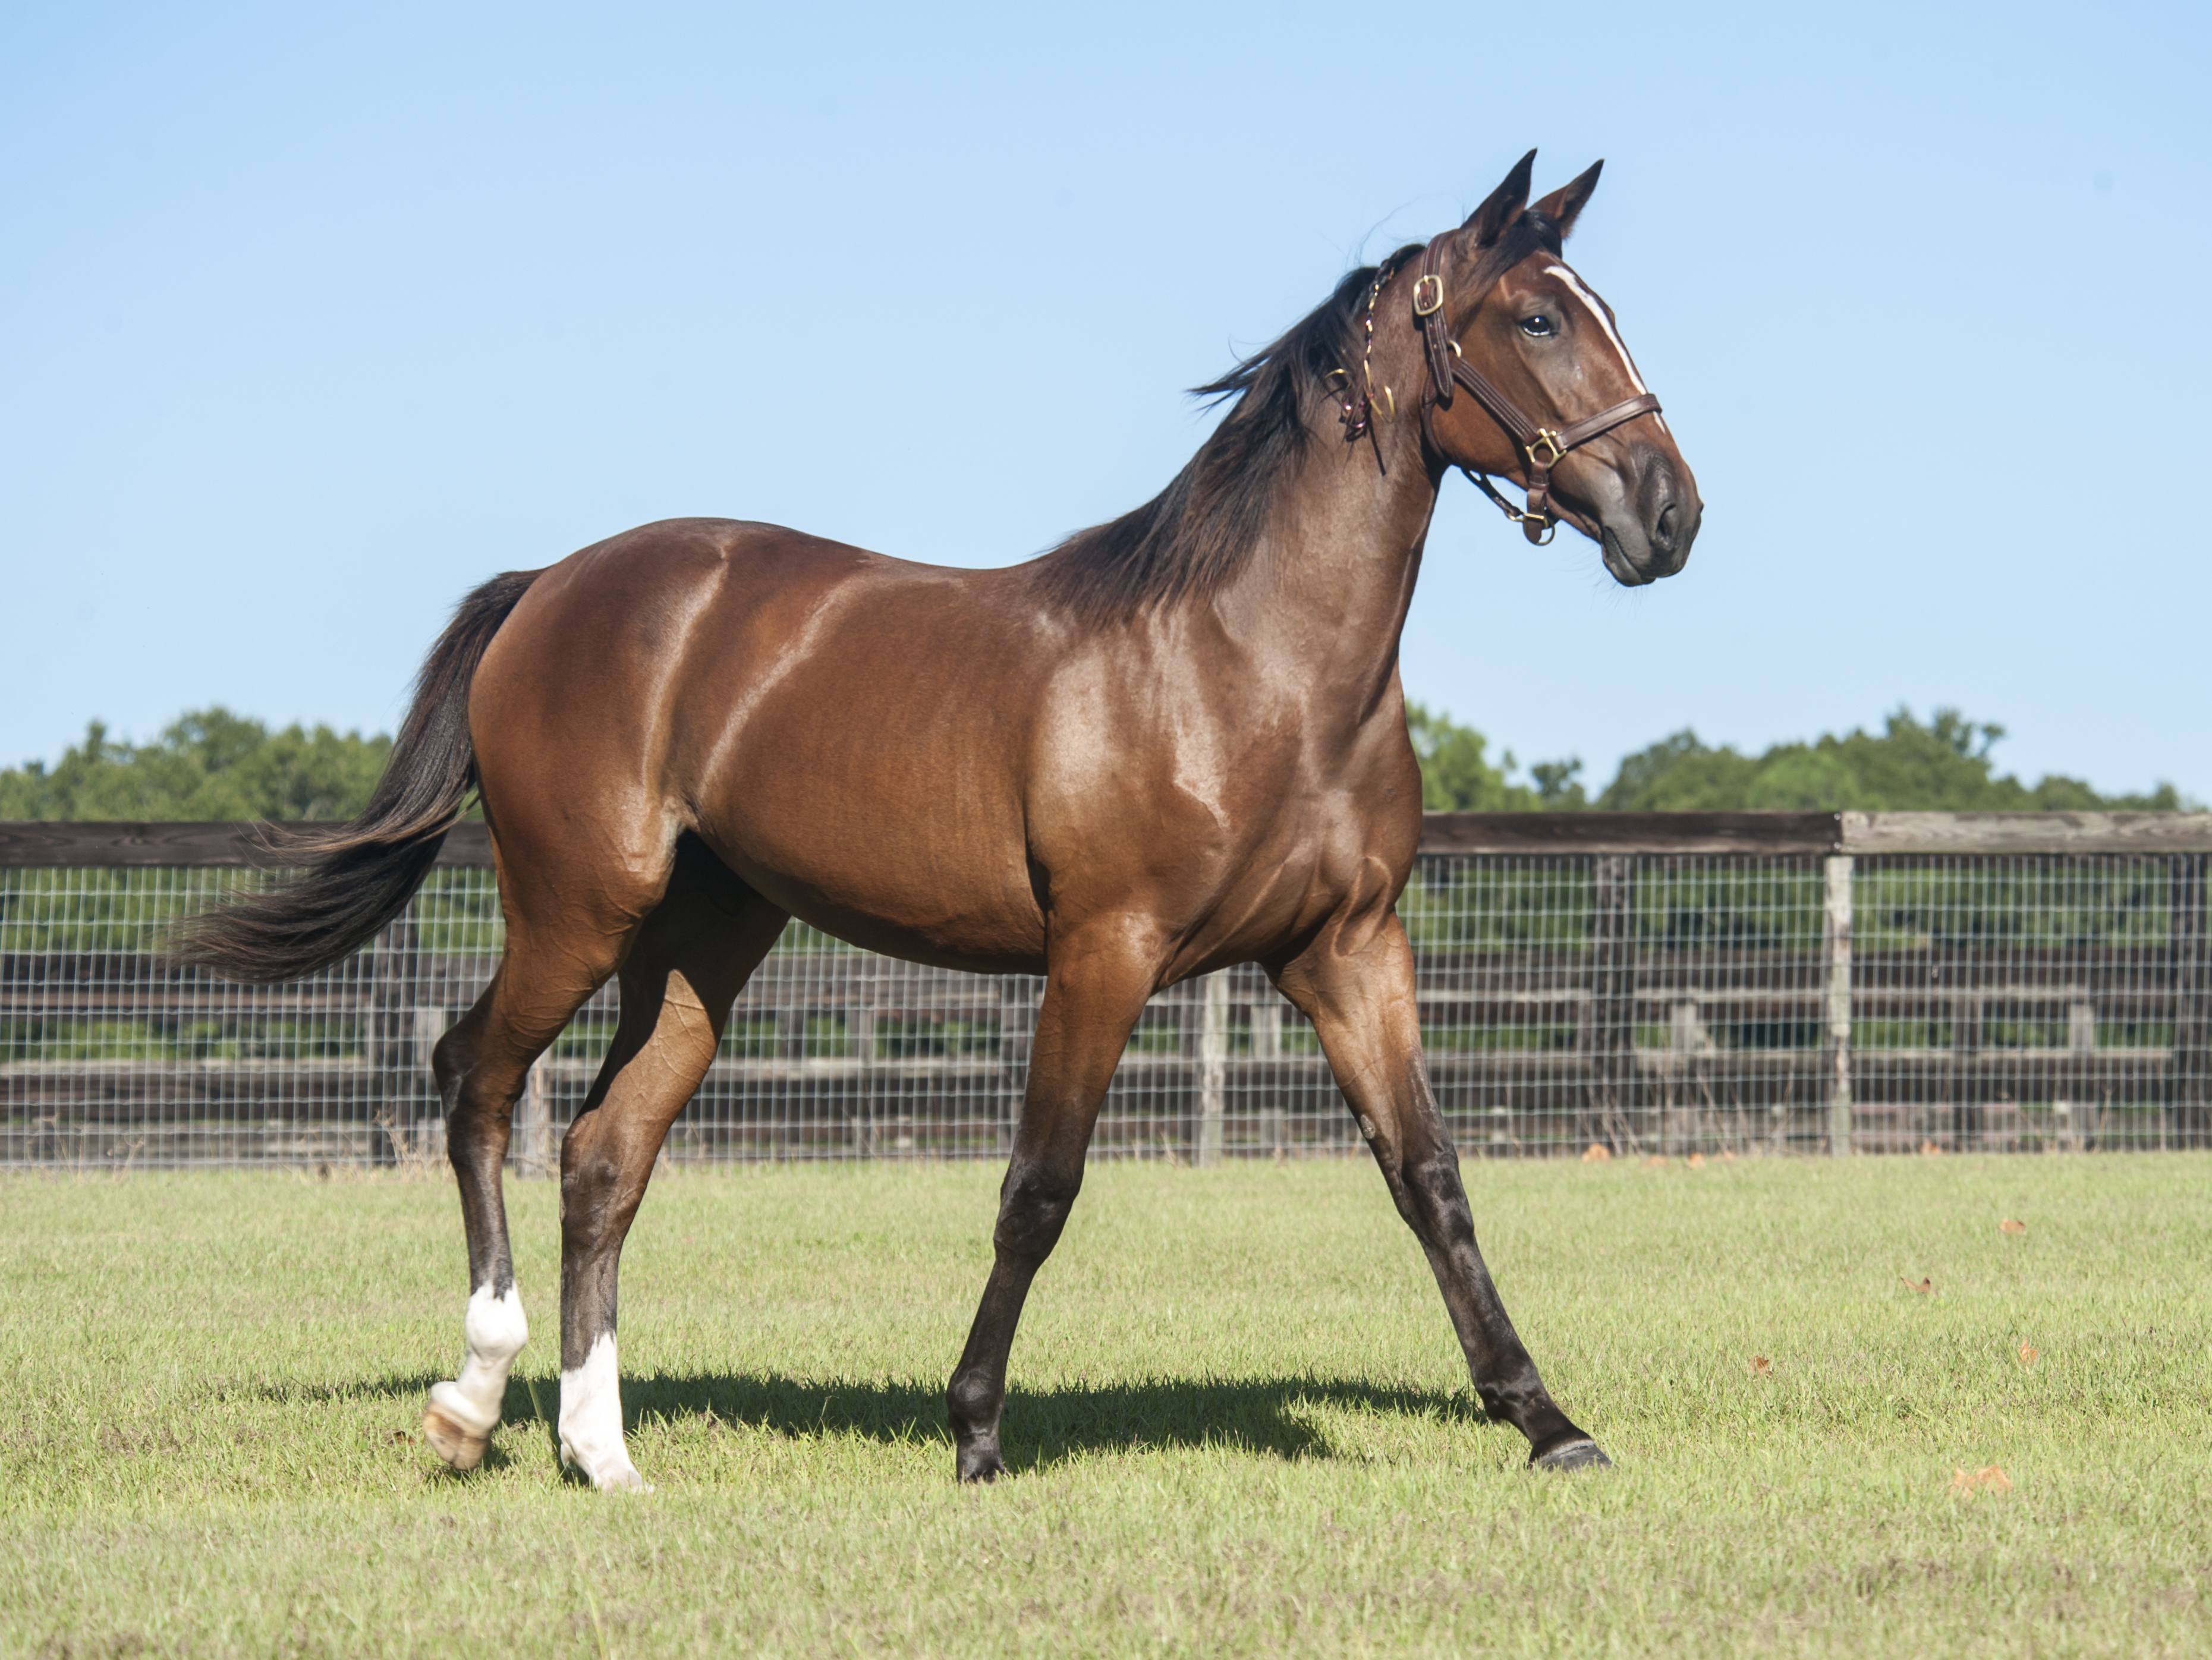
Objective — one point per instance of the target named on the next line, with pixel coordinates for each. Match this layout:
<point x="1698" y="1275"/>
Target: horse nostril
<point x="1663" y="532"/>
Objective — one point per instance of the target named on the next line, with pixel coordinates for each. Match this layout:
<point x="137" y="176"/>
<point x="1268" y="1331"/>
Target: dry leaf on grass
<point x="1929" y="1150"/>
<point x="1923" y="1286"/>
<point x="1696" y="1161"/>
<point x="1596" y="1153"/>
<point x="1657" y="1161"/>
<point x="2027" y="1353"/>
<point x="1988" y="1479"/>
<point x="1761" y="1365"/>
<point x="2008" y="1225"/>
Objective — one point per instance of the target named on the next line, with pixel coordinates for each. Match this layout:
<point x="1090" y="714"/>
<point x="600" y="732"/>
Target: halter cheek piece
<point x="1544" y="447"/>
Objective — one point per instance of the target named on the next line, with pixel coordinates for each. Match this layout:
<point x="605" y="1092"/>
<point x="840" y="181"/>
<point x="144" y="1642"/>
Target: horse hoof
<point x="461" y="1447"/>
<point x="625" y="1479"/>
<point x="615" y="1475"/>
<point x="1579" y="1454"/>
<point x="981" y="1464"/>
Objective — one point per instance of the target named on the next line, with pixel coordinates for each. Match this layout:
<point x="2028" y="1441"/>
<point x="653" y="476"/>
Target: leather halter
<point x="1544" y="447"/>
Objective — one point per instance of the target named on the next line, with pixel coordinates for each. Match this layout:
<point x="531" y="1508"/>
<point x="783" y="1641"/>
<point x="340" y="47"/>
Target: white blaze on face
<point x="1580" y="289"/>
<point x="591" y="1422"/>
<point x="495" y="1331"/>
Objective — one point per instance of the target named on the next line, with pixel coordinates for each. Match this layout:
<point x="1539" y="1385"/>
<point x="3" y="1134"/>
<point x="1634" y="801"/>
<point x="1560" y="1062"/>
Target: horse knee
<point x="1033" y="1209"/>
<point x="1432" y="1197"/>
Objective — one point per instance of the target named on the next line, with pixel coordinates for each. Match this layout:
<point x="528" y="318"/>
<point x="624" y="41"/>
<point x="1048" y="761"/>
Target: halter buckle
<point x="1545" y="439"/>
<point x="1428" y="295"/>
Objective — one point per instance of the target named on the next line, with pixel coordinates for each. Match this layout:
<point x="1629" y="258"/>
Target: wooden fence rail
<point x="1650" y="982"/>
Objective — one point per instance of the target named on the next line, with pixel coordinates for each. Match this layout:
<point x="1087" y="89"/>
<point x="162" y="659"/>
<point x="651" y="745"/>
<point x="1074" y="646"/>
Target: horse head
<point x="1556" y="403"/>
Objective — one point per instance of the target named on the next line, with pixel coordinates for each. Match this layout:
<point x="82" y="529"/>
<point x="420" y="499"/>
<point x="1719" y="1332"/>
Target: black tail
<point x="360" y="876"/>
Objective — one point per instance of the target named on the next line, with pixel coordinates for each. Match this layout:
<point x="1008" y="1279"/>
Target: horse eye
<point x="1536" y="326"/>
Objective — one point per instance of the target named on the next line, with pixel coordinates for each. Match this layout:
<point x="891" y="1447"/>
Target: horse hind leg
<point x="691" y="958"/>
<point x="570" y="917"/>
<point x="481" y="1066"/>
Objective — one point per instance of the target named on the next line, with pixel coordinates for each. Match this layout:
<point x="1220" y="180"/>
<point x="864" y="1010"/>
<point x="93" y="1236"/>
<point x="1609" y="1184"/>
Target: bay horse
<point x="1173" y="744"/>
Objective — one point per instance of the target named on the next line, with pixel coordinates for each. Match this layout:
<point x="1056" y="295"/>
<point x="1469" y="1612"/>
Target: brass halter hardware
<point x="1545" y="527"/>
<point x="1449" y="368"/>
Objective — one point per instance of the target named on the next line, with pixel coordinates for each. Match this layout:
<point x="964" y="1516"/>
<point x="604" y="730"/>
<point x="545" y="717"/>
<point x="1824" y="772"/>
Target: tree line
<point x="1941" y="766"/>
<point x="213" y="763"/>
<point x="206" y="764"/>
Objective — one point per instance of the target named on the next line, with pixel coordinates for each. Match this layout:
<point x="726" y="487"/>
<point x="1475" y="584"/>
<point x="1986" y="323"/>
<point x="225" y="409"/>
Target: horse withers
<point x="1174" y="743"/>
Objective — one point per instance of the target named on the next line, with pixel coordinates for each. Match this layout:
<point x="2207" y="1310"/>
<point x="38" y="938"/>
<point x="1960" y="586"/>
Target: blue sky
<point x="311" y="318"/>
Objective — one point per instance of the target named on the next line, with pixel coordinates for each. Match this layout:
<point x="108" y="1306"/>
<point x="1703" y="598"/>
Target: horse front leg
<point x="1095" y="989"/>
<point x="1356" y="984"/>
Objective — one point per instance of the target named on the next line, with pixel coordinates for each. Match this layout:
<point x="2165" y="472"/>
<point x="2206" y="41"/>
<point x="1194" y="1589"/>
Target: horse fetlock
<point x="463" y="1413"/>
<point x="1523" y="1401"/>
<point x="495" y="1328"/>
<point x="972" y="1402"/>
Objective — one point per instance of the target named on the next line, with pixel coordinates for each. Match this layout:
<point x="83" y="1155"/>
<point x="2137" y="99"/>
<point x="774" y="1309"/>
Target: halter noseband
<point x="1544" y="447"/>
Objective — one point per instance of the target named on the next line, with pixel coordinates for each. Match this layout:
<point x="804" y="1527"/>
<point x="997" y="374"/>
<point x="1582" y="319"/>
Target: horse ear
<point x="1488" y="222"/>
<point x="1563" y="206"/>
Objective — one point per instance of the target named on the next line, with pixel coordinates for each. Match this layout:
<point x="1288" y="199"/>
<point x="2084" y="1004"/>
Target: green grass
<point x="1239" y="1421"/>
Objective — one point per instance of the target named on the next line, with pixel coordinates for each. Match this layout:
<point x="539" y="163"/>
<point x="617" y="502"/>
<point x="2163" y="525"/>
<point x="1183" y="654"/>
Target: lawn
<point x="1239" y="1421"/>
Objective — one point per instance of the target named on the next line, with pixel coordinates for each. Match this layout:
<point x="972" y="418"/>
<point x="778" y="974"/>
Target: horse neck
<point x="1328" y="594"/>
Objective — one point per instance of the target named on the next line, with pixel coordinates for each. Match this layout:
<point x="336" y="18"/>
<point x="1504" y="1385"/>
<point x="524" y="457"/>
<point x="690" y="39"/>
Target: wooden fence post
<point x="533" y="1123"/>
<point x="1836" y="927"/>
<point x="1212" y="1065"/>
<point x="1614" y="1097"/>
<point x="1970" y="1112"/>
<point x="393" y="1042"/>
<point x="2192" y="1004"/>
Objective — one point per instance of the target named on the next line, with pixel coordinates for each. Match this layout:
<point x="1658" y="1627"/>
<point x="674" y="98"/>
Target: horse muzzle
<point x="1645" y="527"/>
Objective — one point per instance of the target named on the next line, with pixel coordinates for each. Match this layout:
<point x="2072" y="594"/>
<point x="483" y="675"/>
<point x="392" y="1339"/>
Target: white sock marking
<point x="495" y="1331"/>
<point x="592" y="1421"/>
<point x="1581" y="291"/>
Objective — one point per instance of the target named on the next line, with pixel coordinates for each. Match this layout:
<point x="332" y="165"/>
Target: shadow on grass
<point x="1264" y="1416"/>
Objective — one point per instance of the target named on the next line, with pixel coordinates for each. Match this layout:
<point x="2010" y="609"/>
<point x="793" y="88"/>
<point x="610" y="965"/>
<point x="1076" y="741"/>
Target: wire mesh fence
<point x="1646" y="1001"/>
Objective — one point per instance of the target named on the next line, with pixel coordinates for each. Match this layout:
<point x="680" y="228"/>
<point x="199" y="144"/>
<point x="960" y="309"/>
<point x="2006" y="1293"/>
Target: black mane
<point x="1193" y="538"/>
